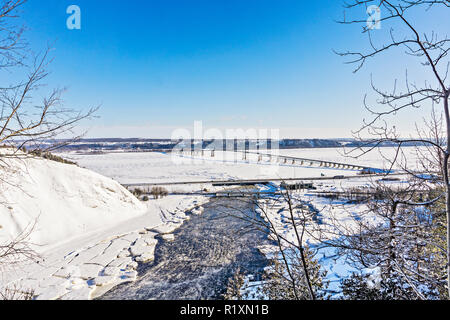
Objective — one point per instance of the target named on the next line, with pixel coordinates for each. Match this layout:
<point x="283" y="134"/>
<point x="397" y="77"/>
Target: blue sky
<point x="155" y="66"/>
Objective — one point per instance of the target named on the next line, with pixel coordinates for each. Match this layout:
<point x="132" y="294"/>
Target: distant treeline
<point x="136" y="144"/>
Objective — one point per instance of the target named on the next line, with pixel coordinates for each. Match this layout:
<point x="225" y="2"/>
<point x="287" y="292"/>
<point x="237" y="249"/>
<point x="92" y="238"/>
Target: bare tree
<point x="18" y="250"/>
<point x="431" y="50"/>
<point x="16" y="293"/>
<point x="13" y="253"/>
<point x="12" y="44"/>
<point x="293" y="272"/>
<point x="25" y="119"/>
<point x="394" y="228"/>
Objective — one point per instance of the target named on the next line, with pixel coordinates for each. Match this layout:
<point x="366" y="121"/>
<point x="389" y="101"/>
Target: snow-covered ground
<point x="331" y="216"/>
<point x="130" y="168"/>
<point x="61" y="201"/>
<point x="91" y="264"/>
<point x="160" y="167"/>
<point x="89" y="231"/>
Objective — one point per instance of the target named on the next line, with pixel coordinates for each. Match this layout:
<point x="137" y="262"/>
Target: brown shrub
<point x="159" y="192"/>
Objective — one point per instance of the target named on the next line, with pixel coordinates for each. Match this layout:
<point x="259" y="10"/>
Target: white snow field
<point x="89" y="231"/>
<point x="132" y="168"/>
<point x="64" y="200"/>
<point x="159" y="167"/>
<point x="333" y="214"/>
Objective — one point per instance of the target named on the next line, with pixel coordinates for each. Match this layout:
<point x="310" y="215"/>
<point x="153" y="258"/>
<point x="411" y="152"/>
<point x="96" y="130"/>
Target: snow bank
<point x="62" y="201"/>
<point x="91" y="232"/>
<point x="136" y="167"/>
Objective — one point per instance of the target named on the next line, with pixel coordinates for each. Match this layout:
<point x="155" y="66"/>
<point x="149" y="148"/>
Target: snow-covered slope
<point x="62" y="201"/>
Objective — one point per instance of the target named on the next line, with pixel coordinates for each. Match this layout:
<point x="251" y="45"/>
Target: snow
<point x="374" y="279"/>
<point x="133" y="168"/>
<point x="92" y="233"/>
<point x="89" y="231"/>
<point x="61" y="201"/>
<point x="89" y="265"/>
<point x="160" y="167"/>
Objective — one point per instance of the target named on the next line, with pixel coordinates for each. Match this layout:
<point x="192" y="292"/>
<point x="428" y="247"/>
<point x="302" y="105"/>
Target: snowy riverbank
<point x="89" y="231"/>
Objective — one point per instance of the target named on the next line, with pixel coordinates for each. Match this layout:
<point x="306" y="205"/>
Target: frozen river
<point x="205" y="254"/>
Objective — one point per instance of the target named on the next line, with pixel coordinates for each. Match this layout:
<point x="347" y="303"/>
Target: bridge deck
<point x="259" y="181"/>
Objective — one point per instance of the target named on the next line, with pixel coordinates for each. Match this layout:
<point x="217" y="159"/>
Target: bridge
<point x="367" y="171"/>
<point x="242" y="182"/>
<point x="285" y="160"/>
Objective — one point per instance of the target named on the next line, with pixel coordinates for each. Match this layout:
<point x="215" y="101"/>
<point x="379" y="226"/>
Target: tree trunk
<point x="301" y="248"/>
<point x="391" y="250"/>
<point x="447" y="209"/>
<point x="447" y="188"/>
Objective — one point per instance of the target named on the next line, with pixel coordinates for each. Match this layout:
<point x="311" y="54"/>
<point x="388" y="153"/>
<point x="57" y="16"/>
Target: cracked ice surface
<point x="78" y="275"/>
<point x="85" y="268"/>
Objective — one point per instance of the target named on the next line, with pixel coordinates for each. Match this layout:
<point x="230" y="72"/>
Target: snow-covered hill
<point x="90" y="232"/>
<point x="62" y="201"/>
